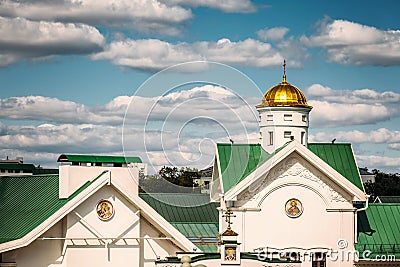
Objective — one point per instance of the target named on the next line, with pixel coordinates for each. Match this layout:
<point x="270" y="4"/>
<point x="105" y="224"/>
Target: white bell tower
<point x="284" y="115"/>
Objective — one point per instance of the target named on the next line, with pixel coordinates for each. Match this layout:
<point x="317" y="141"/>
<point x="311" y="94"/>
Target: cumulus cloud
<point x="379" y="162"/>
<point x="326" y="114"/>
<point x="361" y="96"/>
<point x="65" y="138"/>
<point x="379" y="136"/>
<point x="25" y="39"/>
<point x="274" y="34"/>
<point x="155" y="54"/>
<point x="206" y="101"/>
<point x="349" y="42"/>
<point x="335" y="108"/>
<point x="141" y="15"/>
<point x="41" y="108"/>
<point x="178" y="128"/>
<point x="230" y="6"/>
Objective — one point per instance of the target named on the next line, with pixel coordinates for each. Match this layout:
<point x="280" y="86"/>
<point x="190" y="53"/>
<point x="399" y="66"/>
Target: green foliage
<point x="170" y="180"/>
<point x="386" y="184"/>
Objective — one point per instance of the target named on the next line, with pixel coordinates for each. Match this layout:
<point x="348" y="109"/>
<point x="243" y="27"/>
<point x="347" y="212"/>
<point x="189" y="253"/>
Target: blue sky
<point x="69" y="69"/>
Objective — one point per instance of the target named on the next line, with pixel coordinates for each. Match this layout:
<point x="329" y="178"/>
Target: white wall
<point x="328" y="214"/>
<point x="128" y="225"/>
<point x="40" y="252"/>
<point x="73" y="177"/>
<point x="272" y="119"/>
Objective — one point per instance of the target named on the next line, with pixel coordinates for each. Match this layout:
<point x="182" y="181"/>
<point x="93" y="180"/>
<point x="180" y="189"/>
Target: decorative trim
<point x="294" y="166"/>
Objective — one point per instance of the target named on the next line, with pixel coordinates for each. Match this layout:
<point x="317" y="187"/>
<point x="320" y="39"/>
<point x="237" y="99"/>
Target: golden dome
<point x="284" y="95"/>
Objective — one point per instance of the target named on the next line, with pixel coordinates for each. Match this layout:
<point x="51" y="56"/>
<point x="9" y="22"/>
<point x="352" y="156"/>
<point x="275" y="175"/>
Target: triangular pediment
<point x="293" y="164"/>
<point x="77" y="199"/>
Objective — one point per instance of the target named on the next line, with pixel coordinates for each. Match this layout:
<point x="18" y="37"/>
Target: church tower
<point x="284" y="115"/>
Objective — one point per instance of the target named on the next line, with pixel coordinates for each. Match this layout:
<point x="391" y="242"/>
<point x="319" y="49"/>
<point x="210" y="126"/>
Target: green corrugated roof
<point x="183" y="207"/>
<point x="191" y="214"/>
<point x="197" y="229"/>
<point x="237" y="161"/>
<point x="17" y="166"/>
<point x="26" y="202"/>
<point x="341" y="158"/>
<point x="379" y="229"/>
<point x="388" y="199"/>
<point x="99" y="159"/>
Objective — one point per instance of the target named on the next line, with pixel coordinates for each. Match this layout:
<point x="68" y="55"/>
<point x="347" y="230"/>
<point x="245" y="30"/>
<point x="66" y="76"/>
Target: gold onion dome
<point x="284" y="95"/>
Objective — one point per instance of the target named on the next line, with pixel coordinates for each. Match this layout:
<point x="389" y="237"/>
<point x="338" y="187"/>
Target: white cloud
<point x="202" y="102"/>
<point x="66" y="138"/>
<point x="142" y="15"/>
<point x="274" y="34"/>
<point x="156" y="54"/>
<point x="24" y="39"/>
<point x="41" y="108"/>
<point x="326" y="114"/>
<point x="379" y="136"/>
<point x="353" y="43"/>
<point x="335" y="108"/>
<point x="179" y="129"/>
<point x="379" y="162"/>
<point x="361" y="96"/>
<point x="230" y="6"/>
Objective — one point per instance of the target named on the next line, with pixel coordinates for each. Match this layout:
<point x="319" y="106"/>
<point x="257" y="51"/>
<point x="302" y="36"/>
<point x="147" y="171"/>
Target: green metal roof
<point x="17" y="166"/>
<point x="388" y="199"/>
<point x="237" y="161"/>
<point x="341" y="158"/>
<point x="98" y="159"/>
<point x="197" y="229"/>
<point x="26" y="202"/>
<point x="379" y="229"/>
<point x="183" y="207"/>
<point x="191" y="214"/>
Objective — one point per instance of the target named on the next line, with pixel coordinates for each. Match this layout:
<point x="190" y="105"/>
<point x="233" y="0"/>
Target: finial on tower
<point x="284" y="71"/>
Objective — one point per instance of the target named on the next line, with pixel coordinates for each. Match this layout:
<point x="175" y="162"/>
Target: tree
<point x="170" y="180"/>
<point x="386" y="184"/>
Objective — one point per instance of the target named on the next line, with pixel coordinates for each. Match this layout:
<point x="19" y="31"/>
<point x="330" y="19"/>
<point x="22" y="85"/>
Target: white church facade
<point x="283" y="202"/>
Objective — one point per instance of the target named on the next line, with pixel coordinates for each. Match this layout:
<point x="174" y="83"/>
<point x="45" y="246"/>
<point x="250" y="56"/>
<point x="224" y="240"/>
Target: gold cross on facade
<point x="228" y="215"/>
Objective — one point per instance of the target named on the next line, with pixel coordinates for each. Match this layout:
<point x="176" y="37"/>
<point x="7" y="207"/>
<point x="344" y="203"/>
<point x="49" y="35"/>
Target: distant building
<point x="366" y="176"/>
<point x="16" y="160"/>
<point x="16" y="167"/>
<point x="205" y="180"/>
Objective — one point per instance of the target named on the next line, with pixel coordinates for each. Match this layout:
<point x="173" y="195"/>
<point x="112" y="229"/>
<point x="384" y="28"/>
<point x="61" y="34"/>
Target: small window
<point x="287" y="134"/>
<point x="303" y="135"/>
<point x="304" y="118"/>
<point x="270" y="117"/>
<point x="319" y="260"/>
<point x="206" y="184"/>
<point x="287" y="117"/>
<point x="259" y="118"/>
<point x="271" y="138"/>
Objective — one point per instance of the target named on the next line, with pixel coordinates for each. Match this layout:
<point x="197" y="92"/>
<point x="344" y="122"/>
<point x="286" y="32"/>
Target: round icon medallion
<point x="293" y="208"/>
<point x="105" y="210"/>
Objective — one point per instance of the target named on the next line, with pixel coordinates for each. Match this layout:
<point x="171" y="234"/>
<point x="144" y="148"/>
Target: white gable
<point x="300" y="164"/>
